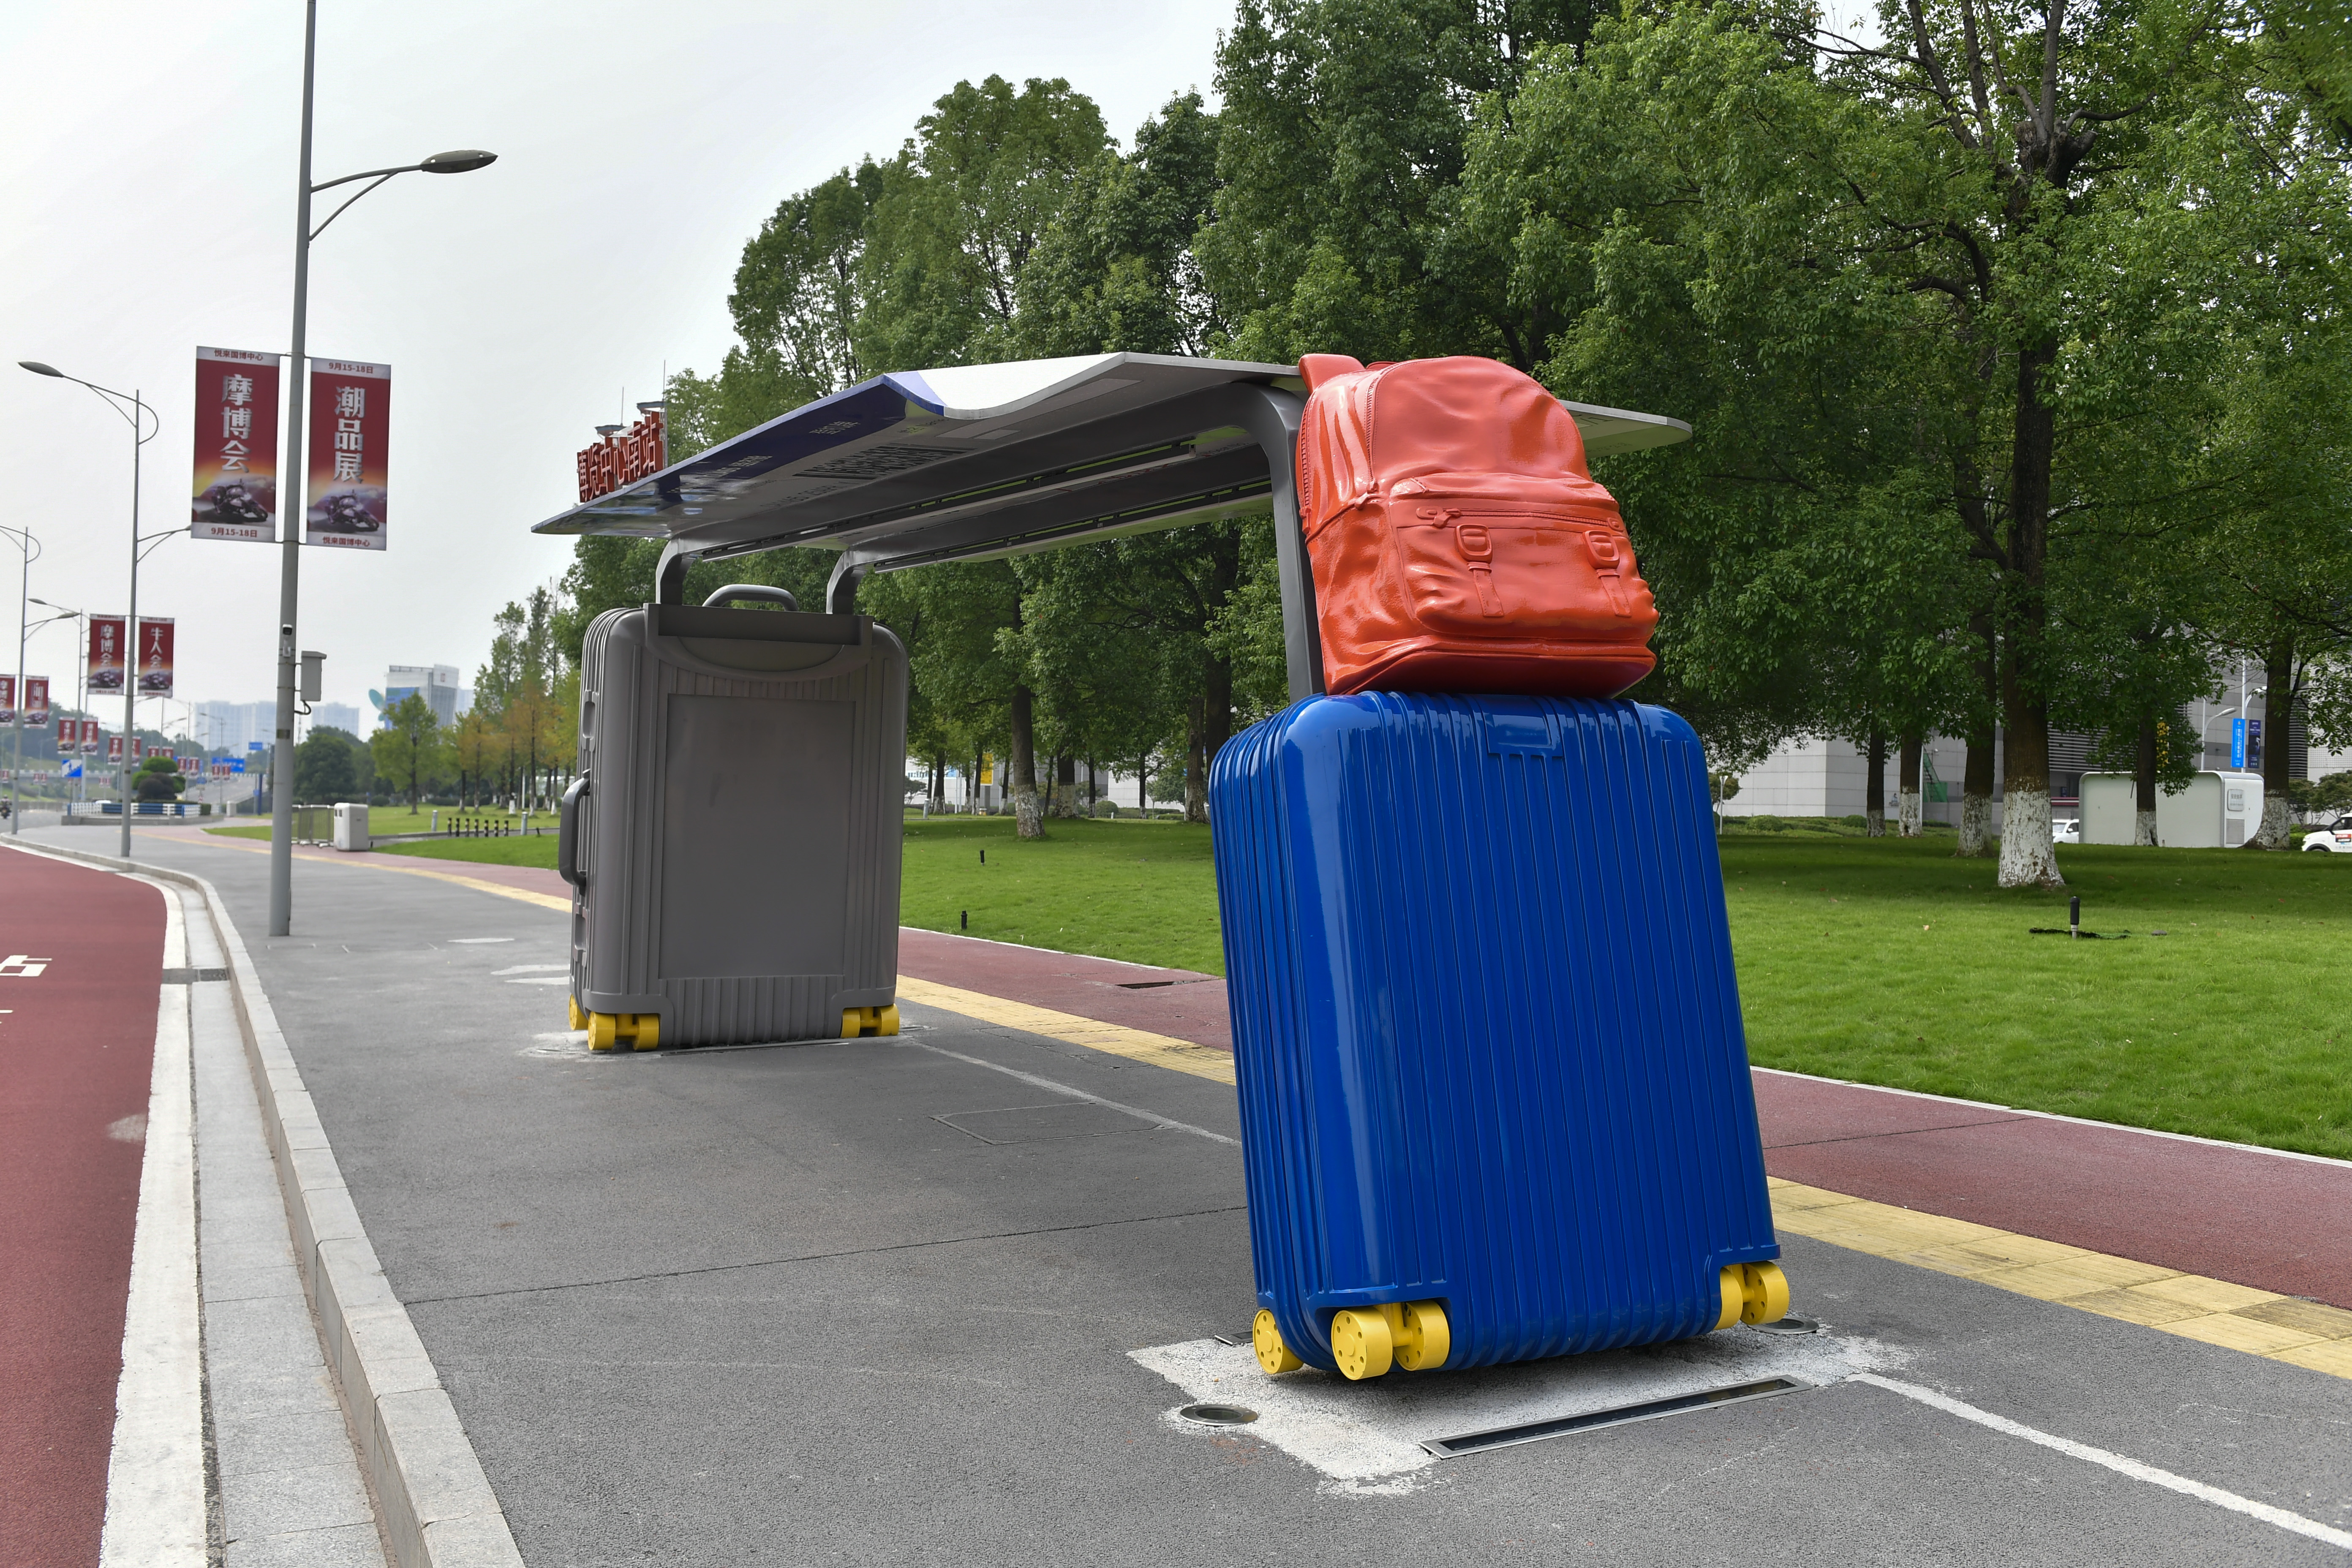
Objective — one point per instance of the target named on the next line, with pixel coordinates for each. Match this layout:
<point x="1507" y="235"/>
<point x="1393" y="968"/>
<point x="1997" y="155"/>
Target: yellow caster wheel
<point x="853" y="1023"/>
<point x="857" y="1022"/>
<point x="1361" y="1342"/>
<point x="885" y="1020"/>
<point x="603" y="1028"/>
<point x="1265" y="1338"/>
<point x="579" y="1019"/>
<point x="1753" y="1293"/>
<point x="1423" y="1338"/>
<point x="1764" y="1292"/>
<point x="648" y="1031"/>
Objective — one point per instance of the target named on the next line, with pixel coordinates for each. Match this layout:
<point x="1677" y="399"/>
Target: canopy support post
<point x="669" y="573"/>
<point x="1271" y="414"/>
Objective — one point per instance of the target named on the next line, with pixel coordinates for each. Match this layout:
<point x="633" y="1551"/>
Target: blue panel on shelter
<point x="1484" y="1021"/>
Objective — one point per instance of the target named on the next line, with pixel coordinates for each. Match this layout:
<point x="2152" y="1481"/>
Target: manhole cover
<point x="1792" y="1325"/>
<point x="1218" y="1415"/>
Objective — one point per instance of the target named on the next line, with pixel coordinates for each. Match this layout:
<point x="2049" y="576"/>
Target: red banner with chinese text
<point x="351" y="439"/>
<point x="93" y="732"/>
<point x="108" y="651"/>
<point x="7" y="700"/>
<point x="237" y="446"/>
<point x="36" y="702"/>
<point x="156" y="657"/>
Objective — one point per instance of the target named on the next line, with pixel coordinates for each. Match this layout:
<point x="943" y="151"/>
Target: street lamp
<point x="281" y="769"/>
<point x="81" y="674"/>
<point x="137" y="416"/>
<point x="28" y="548"/>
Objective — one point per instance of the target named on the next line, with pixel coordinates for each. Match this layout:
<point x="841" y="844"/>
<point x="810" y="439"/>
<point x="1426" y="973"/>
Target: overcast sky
<point x="149" y="159"/>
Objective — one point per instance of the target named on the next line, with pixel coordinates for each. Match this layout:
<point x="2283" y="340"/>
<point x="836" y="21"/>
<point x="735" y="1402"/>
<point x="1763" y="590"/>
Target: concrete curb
<point x="437" y="1506"/>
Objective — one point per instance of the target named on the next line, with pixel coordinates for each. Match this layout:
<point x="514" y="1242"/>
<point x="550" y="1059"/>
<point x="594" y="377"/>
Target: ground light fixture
<point x="459" y="161"/>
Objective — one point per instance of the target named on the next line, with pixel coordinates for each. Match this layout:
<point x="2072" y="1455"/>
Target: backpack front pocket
<point x="1476" y="567"/>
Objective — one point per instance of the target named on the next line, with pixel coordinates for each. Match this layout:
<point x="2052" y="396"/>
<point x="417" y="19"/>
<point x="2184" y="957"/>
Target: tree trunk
<point x="2278" y="708"/>
<point x="1976" y="774"/>
<point x="2144" y="786"/>
<point x="1066" y="787"/>
<point x="2029" y="858"/>
<point x="1143" y="783"/>
<point x="1907" y="816"/>
<point x="1196" y="756"/>
<point x="1028" y="821"/>
<point x="1873" y="786"/>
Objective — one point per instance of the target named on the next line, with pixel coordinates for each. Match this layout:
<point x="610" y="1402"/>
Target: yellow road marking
<point x="1135" y="1044"/>
<point x="544" y="901"/>
<point x="2259" y="1322"/>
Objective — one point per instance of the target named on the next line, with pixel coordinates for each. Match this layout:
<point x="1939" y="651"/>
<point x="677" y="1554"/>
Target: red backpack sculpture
<point x="1458" y="543"/>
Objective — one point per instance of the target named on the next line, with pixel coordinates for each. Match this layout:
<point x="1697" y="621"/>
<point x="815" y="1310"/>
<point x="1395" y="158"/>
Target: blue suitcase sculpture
<point x="1494" y="1087"/>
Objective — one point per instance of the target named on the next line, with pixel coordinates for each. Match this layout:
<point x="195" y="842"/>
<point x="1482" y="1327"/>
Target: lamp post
<point x="81" y="674"/>
<point x="137" y="416"/>
<point x="28" y="548"/>
<point x="281" y="770"/>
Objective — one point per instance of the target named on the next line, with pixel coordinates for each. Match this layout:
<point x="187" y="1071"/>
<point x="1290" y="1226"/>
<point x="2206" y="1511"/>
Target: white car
<point x="2066" y="830"/>
<point x="2336" y="837"/>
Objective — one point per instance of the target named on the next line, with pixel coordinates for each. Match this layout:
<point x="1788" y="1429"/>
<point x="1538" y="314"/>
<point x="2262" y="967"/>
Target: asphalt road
<point x="861" y="1303"/>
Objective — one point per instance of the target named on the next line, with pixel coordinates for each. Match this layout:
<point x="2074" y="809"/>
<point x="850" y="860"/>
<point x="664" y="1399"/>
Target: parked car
<point x="2336" y="837"/>
<point x="2066" y="830"/>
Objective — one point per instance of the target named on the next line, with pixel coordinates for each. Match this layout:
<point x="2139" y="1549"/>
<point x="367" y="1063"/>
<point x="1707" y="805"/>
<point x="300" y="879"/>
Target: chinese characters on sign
<point x="36" y="702"/>
<point x="237" y="446"/>
<point x="351" y="424"/>
<point x="7" y="700"/>
<point x="106" y="654"/>
<point x="619" y="459"/>
<point x="154" y="658"/>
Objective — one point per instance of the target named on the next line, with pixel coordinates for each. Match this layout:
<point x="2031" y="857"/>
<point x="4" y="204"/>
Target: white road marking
<point x="22" y="966"/>
<point x="530" y="968"/>
<point x="155" y="1475"/>
<point x="543" y="980"/>
<point x="1366" y="1438"/>
<point x="1034" y="1081"/>
<point x="2121" y="1464"/>
<point x="477" y="941"/>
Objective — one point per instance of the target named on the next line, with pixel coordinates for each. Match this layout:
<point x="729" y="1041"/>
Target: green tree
<point x="325" y="771"/>
<point x="158" y="778"/>
<point x="409" y="749"/>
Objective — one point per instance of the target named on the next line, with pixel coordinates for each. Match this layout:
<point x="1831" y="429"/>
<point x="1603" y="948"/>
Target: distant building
<point x="437" y="683"/>
<point x="232" y="726"/>
<point x="335" y="716"/>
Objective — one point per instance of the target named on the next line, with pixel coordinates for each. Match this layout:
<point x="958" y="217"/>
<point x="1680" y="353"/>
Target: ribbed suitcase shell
<point x="1484" y="1021"/>
<point x="740" y="836"/>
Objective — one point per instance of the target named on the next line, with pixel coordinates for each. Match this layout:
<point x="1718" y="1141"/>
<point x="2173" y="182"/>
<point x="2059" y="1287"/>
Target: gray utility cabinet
<point x="733" y="839"/>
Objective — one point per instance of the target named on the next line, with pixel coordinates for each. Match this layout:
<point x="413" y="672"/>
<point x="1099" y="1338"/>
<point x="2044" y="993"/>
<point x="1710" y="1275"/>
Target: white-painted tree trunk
<point x="2273" y="833"/>
<point x="1906" y="814"/>
<point x="1976" y="823"/>
<point x="2029" y="858"/>
<point x="2144" y="829"/>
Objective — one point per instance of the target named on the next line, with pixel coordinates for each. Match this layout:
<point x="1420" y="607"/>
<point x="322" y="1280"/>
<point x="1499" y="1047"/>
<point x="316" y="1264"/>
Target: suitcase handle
<point x="567" y="833"/>
<point x="759" y="591"/>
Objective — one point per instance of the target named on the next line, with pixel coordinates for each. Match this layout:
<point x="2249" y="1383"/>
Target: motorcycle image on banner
<point x="350" y="425"/>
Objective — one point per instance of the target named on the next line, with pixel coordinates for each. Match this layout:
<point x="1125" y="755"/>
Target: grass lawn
<point x="1880" y="960"/>
<point x="385" y="819"/>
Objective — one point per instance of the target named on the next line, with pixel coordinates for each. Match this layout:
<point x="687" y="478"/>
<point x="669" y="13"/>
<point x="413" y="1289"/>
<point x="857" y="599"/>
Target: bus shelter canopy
<point x="994" y="459"/>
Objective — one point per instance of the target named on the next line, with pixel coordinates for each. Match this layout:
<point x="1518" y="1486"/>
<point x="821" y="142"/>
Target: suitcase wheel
<point x="1265" y="1338"/>
<point x="1753" y="1293"/>
<point x="579" y="1019"/>
<point x="642" y="1030"/>
<point x="1362" y="1342"/>
<point x="860" y="1021"/>
<point x="1423" y="1338"/>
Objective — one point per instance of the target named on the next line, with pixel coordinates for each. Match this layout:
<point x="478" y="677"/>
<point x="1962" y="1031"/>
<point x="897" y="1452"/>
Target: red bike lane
<point x="84" y="952"/>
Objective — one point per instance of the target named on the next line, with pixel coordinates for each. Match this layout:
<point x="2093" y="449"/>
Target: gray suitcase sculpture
<point x="732" y="841"/>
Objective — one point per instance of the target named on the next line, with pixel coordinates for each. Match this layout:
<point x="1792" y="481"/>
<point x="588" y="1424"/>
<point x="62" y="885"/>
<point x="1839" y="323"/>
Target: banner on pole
<point x="350" y="431"/>
<point x="7" y="700"/>
<point x="114" y="748"/>
<point x="36" y="702"/>
<point x="155" y="640"/>
<point x="237" y="446"/>
<point x="108" y="649"/>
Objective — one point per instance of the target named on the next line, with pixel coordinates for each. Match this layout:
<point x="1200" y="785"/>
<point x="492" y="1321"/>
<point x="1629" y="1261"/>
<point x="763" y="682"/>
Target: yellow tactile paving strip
<point x="2259" y="1322"/>
<point x="1135" y="1044"/>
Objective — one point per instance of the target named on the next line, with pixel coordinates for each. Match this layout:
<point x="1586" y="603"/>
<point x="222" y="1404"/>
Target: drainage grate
<point x="190" y="976"/>
<point x="1536" y="1431"/>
